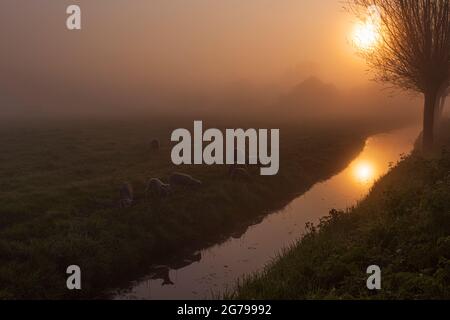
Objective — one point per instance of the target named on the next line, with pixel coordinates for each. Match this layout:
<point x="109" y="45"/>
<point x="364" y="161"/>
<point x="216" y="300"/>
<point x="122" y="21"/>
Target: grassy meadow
<point x="403" y="226"/>
<point x="59" y="182"/>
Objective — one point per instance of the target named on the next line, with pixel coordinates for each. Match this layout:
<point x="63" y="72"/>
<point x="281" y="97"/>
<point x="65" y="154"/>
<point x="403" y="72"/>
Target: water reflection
<point x="364" y="171"/>
<point x="217" y="268"/>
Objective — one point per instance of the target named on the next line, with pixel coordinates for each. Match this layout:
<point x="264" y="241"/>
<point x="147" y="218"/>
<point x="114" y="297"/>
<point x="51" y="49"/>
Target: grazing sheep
<point x="157" y="188"/>
<point x="240" y="174"/>
<point x="155" y="144"/>
<point x="126" y="195"/>
<point x="185" y="180"/>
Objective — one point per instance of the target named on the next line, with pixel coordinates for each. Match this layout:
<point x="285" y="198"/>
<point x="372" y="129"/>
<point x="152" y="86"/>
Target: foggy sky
<point x="141" y="52"/>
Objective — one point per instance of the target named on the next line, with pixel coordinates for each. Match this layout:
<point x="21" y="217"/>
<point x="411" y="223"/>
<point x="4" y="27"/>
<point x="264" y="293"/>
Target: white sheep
<point x="185" y="180"/>
<point x="155" y="187"/>
<point x="126" y="195"/>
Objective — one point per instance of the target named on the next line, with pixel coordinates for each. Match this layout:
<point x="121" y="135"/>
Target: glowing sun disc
<point x="366" y="35"/>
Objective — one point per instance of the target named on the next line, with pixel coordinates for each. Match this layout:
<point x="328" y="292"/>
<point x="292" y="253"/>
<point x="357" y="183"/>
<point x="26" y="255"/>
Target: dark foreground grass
<point x="403" y="226"/>
<point x="58" y="198"/>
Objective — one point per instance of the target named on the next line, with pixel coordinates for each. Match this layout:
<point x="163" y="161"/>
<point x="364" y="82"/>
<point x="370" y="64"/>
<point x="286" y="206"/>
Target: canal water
<point x="218" y="268"/>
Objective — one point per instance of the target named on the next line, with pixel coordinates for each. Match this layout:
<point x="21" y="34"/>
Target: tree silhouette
<point x="413" y="51"/>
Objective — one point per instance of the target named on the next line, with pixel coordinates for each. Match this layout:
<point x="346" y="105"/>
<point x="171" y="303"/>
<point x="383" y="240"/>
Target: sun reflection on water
<point x="222" y="265"/>
<point x="364" y="171"/>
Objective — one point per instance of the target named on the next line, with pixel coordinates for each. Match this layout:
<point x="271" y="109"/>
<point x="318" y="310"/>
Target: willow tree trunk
<point x="428" y="121"/>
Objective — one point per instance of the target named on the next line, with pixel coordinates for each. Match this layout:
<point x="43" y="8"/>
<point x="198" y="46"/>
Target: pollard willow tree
<point x="412" y="51"/>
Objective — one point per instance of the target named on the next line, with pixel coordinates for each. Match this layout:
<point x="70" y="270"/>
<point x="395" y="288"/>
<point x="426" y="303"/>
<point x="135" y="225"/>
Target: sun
<point x="366" y="35"/>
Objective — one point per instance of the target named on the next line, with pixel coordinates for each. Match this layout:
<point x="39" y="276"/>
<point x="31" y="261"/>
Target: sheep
<point x="126" y="195"/>
<point x="240" y="173"/>
<point x="155" y="144"/>
<point x="185" y="180"/>
<point x="155" y="187"/>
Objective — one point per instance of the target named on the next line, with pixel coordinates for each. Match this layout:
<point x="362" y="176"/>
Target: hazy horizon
<point x="151" y="54"/>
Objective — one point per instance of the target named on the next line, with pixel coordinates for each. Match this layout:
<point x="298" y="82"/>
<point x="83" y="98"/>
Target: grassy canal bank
<point x="403" y="226"/>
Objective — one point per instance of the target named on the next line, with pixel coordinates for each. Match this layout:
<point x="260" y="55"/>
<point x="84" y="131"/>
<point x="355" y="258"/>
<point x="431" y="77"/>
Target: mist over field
<point x="198" y="57"/>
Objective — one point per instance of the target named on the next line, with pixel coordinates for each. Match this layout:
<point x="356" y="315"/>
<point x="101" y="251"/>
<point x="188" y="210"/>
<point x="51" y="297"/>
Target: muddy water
<point x="217" y="268"/>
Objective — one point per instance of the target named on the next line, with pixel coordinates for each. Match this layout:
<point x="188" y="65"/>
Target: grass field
<point x="403" y="226"/>
<point x="59" y="183"/>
